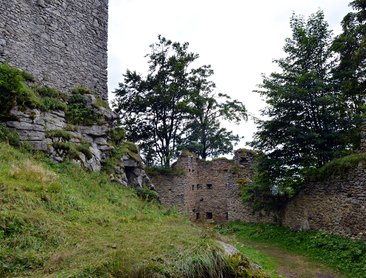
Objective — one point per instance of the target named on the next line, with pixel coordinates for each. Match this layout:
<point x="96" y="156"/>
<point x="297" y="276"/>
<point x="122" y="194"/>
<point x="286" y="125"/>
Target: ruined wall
<point x="63" y="43"/>
<point x="337" y="205"/>
<point x="208" y="190"/>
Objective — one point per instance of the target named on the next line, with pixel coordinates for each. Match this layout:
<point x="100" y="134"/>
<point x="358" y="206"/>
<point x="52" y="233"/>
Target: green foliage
<point x="118" y="135"/>
<point x="306" y="126"/>
<point x="349" y="72"/>
<point x="205" y="135"/>
<point x="337" y="167"/>
<point x="58" y="220"/>
<point x="9" y="136"/>
<point x="101" y="103"/>
<point x="345" y="255"/>
<point x="266" y="262"/>
<point x="81" y="91"/>
<point x="59" y="134"/>
<point x="61" y="143"/>
<point x="78" y="113"/>
<point x="70" y="150"/>
<point x="125" y="148"/>
<point x="15" y="91"/>
<point x="147" y="194"/>
<point x="45" y="91"/>
<point x="174" y="106"/>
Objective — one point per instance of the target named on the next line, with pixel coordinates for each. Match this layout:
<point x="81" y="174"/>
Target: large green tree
<point x="174" y="106"/>
<point x="304" y="127"/>
<point x="350" y="73"/>
<point x="205" y="135"/>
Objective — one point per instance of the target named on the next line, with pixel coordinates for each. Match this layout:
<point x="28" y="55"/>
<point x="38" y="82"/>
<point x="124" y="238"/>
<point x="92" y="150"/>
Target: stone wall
<point x="337" y="205"/>
<point x="62" y="43"/>
<point x="208" y="190"/>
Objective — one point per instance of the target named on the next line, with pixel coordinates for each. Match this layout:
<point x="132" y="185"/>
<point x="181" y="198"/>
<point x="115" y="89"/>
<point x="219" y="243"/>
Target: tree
<point x="159" y="111"/>
<point x="305" y="127"/>
<point x="205" y="135"/>
<point x="350" y="73"/>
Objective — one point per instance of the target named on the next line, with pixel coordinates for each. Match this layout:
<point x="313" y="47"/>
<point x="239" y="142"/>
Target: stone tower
<point x="63" y="43"/>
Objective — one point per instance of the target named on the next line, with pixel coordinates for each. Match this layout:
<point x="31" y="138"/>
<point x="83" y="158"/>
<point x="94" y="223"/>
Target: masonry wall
<point x="63" y="43"/>
<point x="337" y="205"/>
<point x="210" y="190"/>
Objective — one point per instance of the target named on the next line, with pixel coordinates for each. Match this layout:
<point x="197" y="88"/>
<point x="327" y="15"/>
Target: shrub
<point x="9" y="136"/>
<point x="101" y="103"/>
<point x="15" y="91"/>
<point x="70" y="150"/>
<point x="78" y="113"/>
<point x="60" y="134"/>
<point x="117" y="135"/>
<point x="337" y="166"/>
<point x="126" y="148"/>
<point x="147" y="194"/>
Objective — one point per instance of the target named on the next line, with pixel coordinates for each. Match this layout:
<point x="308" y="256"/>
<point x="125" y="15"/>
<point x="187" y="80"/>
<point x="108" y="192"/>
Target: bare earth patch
<point x="294" y="266"/>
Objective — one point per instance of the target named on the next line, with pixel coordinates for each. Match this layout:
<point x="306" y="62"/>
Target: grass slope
<point x="56" y="220"/>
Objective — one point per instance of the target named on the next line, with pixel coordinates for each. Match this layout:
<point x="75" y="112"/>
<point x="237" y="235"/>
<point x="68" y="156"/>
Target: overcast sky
<point x="238" y="38"/>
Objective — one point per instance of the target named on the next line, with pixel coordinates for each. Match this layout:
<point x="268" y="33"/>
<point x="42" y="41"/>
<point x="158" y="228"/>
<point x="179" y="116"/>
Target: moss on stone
<point x="9" y="136"/>
<point x="99" y="103"/>
<point x="72" y="150"/>
<point x="125" y="148"/>
<point x="59" y="133"/>
<point x="337" y="167"/>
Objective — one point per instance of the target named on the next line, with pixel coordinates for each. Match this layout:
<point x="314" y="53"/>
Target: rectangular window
<point x="209" y="186"/>
<point x="197" y="215"/>
<point x="193" y="187"/>
<point x="208" y="215"/>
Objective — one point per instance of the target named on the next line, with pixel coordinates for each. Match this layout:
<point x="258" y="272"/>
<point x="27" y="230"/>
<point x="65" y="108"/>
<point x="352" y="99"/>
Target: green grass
<point x="57" y="220"/>
<point x="340" y="253"/>
<point x="337" y="166"/>
<point x="259" y="258"/>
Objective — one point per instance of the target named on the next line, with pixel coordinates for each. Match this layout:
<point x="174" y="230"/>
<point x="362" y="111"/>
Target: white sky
<point x="238" y="38"/>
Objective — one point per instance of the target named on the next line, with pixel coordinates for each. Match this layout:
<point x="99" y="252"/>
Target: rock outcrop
<point x="88" y="145"/>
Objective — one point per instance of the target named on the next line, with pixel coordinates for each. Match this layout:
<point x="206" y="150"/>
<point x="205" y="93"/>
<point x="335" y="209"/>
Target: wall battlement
<point x="63" y="43"/>
<point x="210" y="190"/>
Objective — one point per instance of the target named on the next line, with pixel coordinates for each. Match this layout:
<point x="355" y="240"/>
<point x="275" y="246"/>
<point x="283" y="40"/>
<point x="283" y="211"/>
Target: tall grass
<point x="57" y="220"/>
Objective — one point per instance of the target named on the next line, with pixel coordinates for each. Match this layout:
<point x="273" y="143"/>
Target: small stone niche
<point x="209" y="215"/>
<point x="209" y="186"/>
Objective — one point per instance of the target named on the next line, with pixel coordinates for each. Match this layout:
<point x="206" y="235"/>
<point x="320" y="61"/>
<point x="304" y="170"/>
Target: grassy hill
<point x="57" y="220"/>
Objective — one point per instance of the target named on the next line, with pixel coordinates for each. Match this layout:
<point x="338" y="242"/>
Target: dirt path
<point x="293" y="266"/>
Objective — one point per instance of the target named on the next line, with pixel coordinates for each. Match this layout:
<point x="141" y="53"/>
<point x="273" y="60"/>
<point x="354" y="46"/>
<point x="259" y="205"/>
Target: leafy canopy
<point x="174" y="106"/>
<point x="306" y="122"/>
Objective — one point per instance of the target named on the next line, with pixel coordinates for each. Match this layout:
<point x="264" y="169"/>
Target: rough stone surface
<point x="337" y="205"/>
<point x="32" y="126"/>
<point x="208" y="190"/>
<point x="62" y="43"/>
<point x="131" y="172"/>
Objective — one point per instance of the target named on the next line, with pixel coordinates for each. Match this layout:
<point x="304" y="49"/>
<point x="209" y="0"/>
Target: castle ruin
<point x="210" y="190"/>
